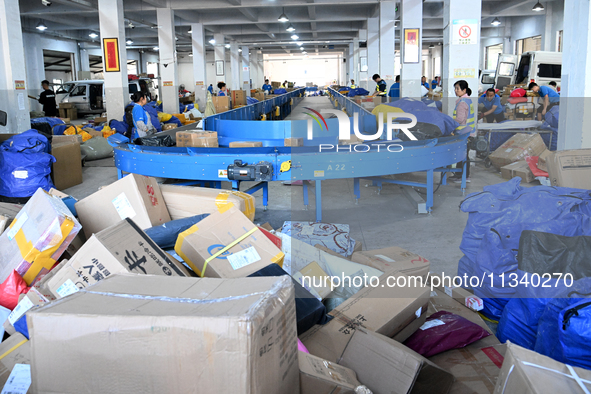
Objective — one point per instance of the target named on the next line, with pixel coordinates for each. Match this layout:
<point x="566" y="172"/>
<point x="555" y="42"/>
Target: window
<point x="65" y="88"/>
<point x="133" y="88"/>
<point x="491" y="56"/>
<point x="528" y="45"/>
<point x="559" y="39"/>
<point x="79" y="90"/>
<point x="488" y="78"/>
<point x="550" y="71"/>
<point x="506" y="69"/>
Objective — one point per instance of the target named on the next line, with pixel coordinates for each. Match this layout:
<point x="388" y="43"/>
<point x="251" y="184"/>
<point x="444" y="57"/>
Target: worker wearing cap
<point x="380" y="87"/>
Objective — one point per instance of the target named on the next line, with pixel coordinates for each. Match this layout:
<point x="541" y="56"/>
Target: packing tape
<point x="573" y="375"/>
<point x="278" y="259"/>
<point x="13" y="348"/>
<point x="221" y="201"/>
<point x="223" y="205"/>
<point x="36" y="258"/>
<point x="229" y="246"/>
<point x="179" y="246"/>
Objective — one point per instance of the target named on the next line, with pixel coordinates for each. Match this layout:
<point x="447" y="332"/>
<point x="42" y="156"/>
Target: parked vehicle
<point x="487" y="81"/>
<point x="540" y="67"/>
<point x="89" y="96"/>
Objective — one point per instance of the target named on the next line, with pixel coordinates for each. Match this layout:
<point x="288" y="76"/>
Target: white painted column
<point x="245" y="70"/>
<point x="168" y="60"/>
<point x="575" y="102"/>
<point x="199" y="68"/>
<point x="411" y="73"/>
<point x="116" y="85"/>
<point x="363" y="59"/>
<point x="343" y="70"/>
<point x="351" y="67"/>
<point x="235" y="66"/>
<point x="84" y="60"/>
<point x="373" y="51"/>
<point x="13" y="81"/>
<point x="547" y="44"/>
<point x="254" y="69"/>
<point x="220" y="55"/>
<point x="507" y="47"/>
<point x="356" y="65"/>
<point x="387" y="41"/>
<point x="461" y="55"/>
<point x="261" y="68"/>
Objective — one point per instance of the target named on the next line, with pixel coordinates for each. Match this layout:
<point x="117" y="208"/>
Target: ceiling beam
<point x="312" y="12"/>
<point x="250" y="14"/>
<point x="55" y="63"/>
<point x="506" y="6"/>
<point x="235" y="2"/>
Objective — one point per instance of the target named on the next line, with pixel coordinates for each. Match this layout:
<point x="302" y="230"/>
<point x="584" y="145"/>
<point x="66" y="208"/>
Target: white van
<point x="540" y="67"/>
<point x="487" y="81"/>
<point x="89" y="96"/>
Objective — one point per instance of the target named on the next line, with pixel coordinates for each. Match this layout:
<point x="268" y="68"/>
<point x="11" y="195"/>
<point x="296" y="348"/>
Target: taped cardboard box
<point x="520" y="169"/>
<point x="570" y="168"/>
<point x="528" y="372"/>
<point x="394" y="258"/>
<point x="67" y="169"/>
<point x="387" y="310"/>
<point x="461" y="295"/>
<point x="315" y="280"/>
<point x="44" y="224"/>
<point x="123" y="247"/>
<point x="221" y="103"/>
<point x="158" y="344"/>
<point x="134" y="196"/>
<point x="246" y="144"/>
<point x="238" y="97"/>
<point x="318" y="376"/>
<point x="16" y="349"/>
<point x="543" y="160"/>
<point x="293" y="142"/>
<point x="192" y="139"/>
<point x="517" y="148"/>
<point x="184" y="201"/>
<point x="7" y="213"/>
<point x="357" y="248"/>
<point x="226" y="244"/>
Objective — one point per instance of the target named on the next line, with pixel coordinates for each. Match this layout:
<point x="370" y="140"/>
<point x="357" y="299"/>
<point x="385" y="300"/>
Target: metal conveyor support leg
<point x="318" y="201"/>
<point x="356" y="190"/>
<point x="265" y="195"/>
<point x="429" y="191"/>
<point x="305" y="185"/>
<point x="464" y="178"/>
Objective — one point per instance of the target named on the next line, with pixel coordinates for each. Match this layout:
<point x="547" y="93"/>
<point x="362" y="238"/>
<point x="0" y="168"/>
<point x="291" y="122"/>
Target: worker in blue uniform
<point x="267" y="88"/>
<point x="395" y="88"/>
<point x="492" y="105"/>
<point x="380" y="87"/>
<point x="142" y="123"/>
<point x="210" y="88"/>
<point x="551" y="98"/>
<point x="435" y="83"/>
<point x="425" y="83"/>
<point x="223" y="89"/>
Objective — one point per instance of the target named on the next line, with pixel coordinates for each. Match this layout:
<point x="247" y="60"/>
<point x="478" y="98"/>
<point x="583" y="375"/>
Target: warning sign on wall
<point x="465" y="32"/>
<point x="167" y="83"/>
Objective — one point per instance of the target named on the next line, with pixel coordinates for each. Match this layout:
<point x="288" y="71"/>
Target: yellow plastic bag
<point x="383" y="108"/>
<point x="71" y="131"/>
<point x="163" y="117"/>
<point x="107" y="132"/>
<point x="85" y="136"/>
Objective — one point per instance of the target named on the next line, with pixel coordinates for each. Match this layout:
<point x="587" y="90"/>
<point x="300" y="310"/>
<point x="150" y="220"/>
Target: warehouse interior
<point x="295" y="196"/>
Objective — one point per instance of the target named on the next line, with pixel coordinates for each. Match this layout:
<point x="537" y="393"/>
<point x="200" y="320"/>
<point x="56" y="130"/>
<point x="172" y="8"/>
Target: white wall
<point x="525" y="27"/>
<point x="320" y="70"/>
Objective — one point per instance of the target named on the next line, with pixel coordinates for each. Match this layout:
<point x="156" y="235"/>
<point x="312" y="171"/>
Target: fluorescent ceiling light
<point x="212" y="41"/>
<point x="129" y="42"/>
<point x="176" y="38"/>
<point x="495" y="22"/>
<point x="190" y="55"/>
<point x="93" y="35"/>
<point x="295" y="37"/>
<point x="538" y="7"/>
<point x="41" y="26"/>
<point x="283" y="18"/>
<point x="155" y="48"/>
<point x="301" y="48"/>
<point x="227" y="45"/>
<point x="299" y="43"/>
<point x="290" y="28"/>
<point x="431" y="46"/>
<point x="190" y="31"/>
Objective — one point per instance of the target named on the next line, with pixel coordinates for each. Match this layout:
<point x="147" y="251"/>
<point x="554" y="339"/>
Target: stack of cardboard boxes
<point x="68" y="110"/>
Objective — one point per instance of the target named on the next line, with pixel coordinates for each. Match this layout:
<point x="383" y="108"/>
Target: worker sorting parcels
<point x="47" y="99"/>
<point x="465" y="115"/>
<point x="352" y="84"/>
<point x="492" y="105"/>
<point x="380" y="87"/>
<point x="142" y="123"/>
<point x="395" y="88"/>
<point x="551" y="98"/>
<point x="425" y="83"/>
<point x="223" y="89"/>
<point x="267" y="88"/>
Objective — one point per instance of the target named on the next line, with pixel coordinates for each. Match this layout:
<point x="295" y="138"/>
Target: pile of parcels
<point x="525" y="155"/>
<point x="147" y="287"/>
<point x="209" y="139"/>
<point x="521" y="105"/>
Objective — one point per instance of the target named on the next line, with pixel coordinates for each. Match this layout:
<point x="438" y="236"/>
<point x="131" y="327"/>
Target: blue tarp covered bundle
<point x="551" y="123"/>
<point x="498" y="215"/>
<point x="279" y="91"/>
<point x="344" y="89"/>
<point x="52" y="122"/>
<point x="166" y="234"/>
<point x="411" y="105"/>
<point x="174" y="120"/>
<point x="251" y="100"/>
<point x="426" y="113"/>
<point x="119" y="126"/>
<point x="357" y="92"/>
<point x="25" y="165"/>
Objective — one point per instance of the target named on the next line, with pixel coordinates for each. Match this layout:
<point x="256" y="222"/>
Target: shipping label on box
<point x="15" y="350"/>
<point x="315" y="280"/>
<point x="570" y="168"/>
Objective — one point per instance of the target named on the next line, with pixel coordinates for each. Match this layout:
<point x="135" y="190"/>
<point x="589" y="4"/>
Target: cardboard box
<point x="520" y="169"/>
<point x="134" y="196"/>
<point x="543" y="160"/>
<point x="184" y="201"/>
<point x="293" y="142"/>
<point x="383" y="309"/>
<point x="67" y="169"/>
<point x="192" y="139"/>
<point x="123" y="247"/>
<point x="44" y="224"/>
<point x="8" y="212"/>
<point x="66" y="105"/>
<point x="71" y="113"/>
<point x="250" y="250"/>
<point x="570" y="168"/>
<point x="386" y="366"/>
<point x="353" y="140"/>
<point x="528" y="372"/>
<point x="238" y="97"/>
<point x="318" y="376"/>
<point x="246" y="144"/>
<point x="221" y="103"/>
<point x="517" y="148"/>
<point x="100" y="120"/>
<point x="461" y="295"/>
<point x="166" y="339"/>
<point x="169" y="126"/>
<point x="316" y="281"/>
<point x="16" y="349"/>
<point x="260" y="96"/>
<point x="394" y="258"/>
<point x="62" y="139"/>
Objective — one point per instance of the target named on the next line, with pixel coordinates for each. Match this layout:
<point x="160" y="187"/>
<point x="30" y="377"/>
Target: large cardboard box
<point x="517" y="148"/>
<point x="201" y="139"/>
<point x="528" y="372"/>
<point x="184" y="201"/>
<point x="313" y="278"/>
<point x="246" y="144"/>
<point x="244" y="248"/>
<point x="7" y="214"/>
<point x="570" y="168"/>
<point x="520" y="169"/>
<point x="543" y="160"/>
<point x="318" y="376"/>
<point x="260" y="96"/>
<point x="40" y="234"/>
<point x="134" y="196"/>
<point x="385" y="309"/>
<point x="461" y="295"/>
<point x="221" y="103"/>
<point x="394" y="258"/>
<point x="238" y="97"/>
<point x="67" y="169"/>
<point x="123" y="247"/>
<point x="16" y="349"/>
<point x="293" y="142"/>
<point x="133" y="334"/>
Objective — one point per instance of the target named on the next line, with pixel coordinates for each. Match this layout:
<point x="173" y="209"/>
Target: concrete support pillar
<point x="261" y="68"/>
<point x="245" y="70"/>
<point x="507" y="47"/>
<point x="461" y="48"/>
<point x="363" y="60"/>
<point x="342" y="70"/>
<point x="254" y="68"/>
<point x="411" y="73"/>
<point x="220" y="55"/>
<point x="13" y="81"/>
<point x="355" y="75"/>
<point x="168" y="60"/>
<point x="116" y="85"/>
<point x="199" y="68"/>
<point x="575" y="103"/>
<point x="84" y="60"/>
<point x="387" y="41"/>
<point x="351" y="67"/>
<point x="373" y="50"/>
<point x="547" y="44"/>
<point x="235" y="66"/>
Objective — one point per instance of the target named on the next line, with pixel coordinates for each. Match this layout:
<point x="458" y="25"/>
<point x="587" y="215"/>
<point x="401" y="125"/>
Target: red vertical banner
<point x="111" y="55"/>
